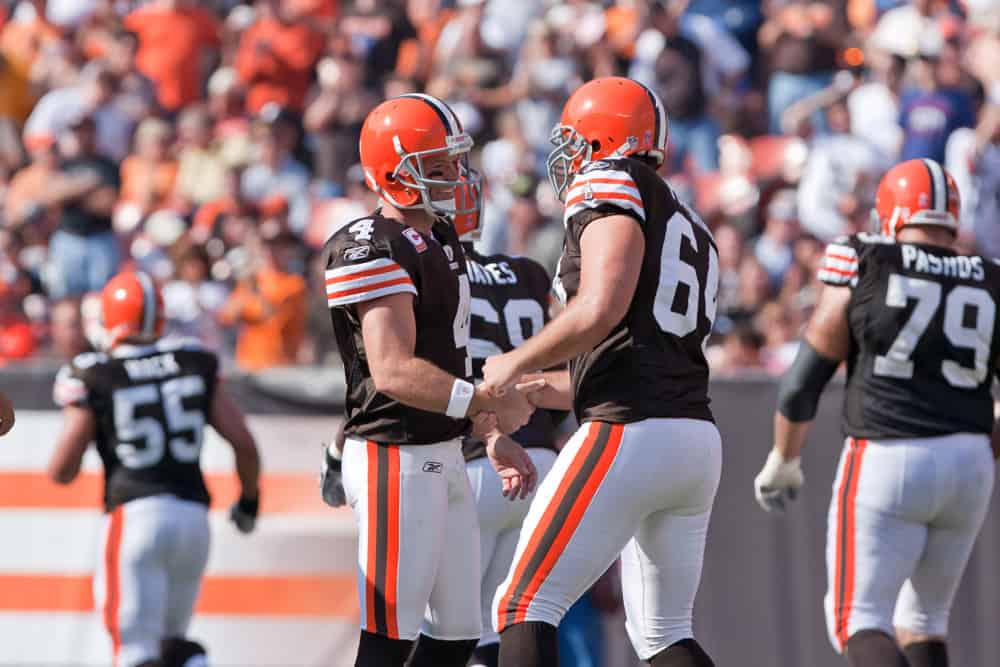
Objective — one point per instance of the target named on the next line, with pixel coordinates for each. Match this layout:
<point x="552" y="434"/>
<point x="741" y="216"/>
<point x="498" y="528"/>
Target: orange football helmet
<point x="396" y="138"/>
<point x="131" y="305"/>
<point x="607" y="117"/>
<point x="916" y="192"/>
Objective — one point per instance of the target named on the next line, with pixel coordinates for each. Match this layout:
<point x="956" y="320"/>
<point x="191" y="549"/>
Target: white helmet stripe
<point x="148" y="303"/>
<point x="448" y="117"/>
<point x="940" y="185"/>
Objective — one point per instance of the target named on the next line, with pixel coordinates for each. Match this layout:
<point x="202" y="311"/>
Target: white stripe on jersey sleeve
<point x="596" y="188"/>
<point x="341" y="271"/>
<point x="68" y="390"/>
<point x="377" y="279"/>
<point x="839" y="266"/>
<point x="373" y="293"/>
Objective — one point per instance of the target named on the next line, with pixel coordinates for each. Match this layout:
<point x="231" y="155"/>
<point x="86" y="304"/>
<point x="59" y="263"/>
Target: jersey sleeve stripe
<point x="577" y="204"/>
<point x="845" y="250"/>
<point x="356" y="283"/>
<point x="829" y="263"/>
<point x="403" y="285"/>
<point x="68" y="390"/>
<point x="605" y="196"/>
<point x="843" y="258"/>
<point x="368" y="268"/>
<point x="839" y="272"/>
<point x="375" y="274"/>
<point x="603" y="181"/>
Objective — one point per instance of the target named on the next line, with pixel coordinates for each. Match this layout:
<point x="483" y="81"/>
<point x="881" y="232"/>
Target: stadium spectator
<point x="268" y="305"/>
<point x="148" y="176"/>
<point x="275" y="171"/>
<point x="932" y="109"/>
<point x="92" y="96"/>
<point x="837" y="189"/>
<point x="192" y="300"/>
<point x="334" y="118"/>
<point x="276" y="56"/>
<point x="84" y="252"/>
<point x="175" y="38"/>
<point x="802" y="39"/>
<point x="201" y="170"/>
<point x="773" y="247"/>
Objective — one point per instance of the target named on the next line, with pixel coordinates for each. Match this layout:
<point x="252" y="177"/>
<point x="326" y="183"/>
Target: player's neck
<point x="927" y="236"/>
<point x="415" y="217"/>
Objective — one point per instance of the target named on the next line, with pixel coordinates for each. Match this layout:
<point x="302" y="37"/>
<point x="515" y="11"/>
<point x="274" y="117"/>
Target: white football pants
<point x="902" y="522"/>
<point x="418" y="556"/>
<point x="643" y="490"/>
<point x="151" y="563"/>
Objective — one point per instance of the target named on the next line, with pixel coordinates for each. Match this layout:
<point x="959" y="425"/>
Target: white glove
<point x="777" y="481"/>
<point x="330" y="478"/>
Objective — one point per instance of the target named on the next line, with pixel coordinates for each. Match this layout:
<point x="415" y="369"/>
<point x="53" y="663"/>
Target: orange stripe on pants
<point x="845" y="555"/>
<point x="392" y="544"/>
<point x="112" y="552"/>
<point x="576" y="515"/>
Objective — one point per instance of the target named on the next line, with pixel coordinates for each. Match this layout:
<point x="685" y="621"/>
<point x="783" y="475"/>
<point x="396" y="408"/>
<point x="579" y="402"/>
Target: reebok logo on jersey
<point x="414" y="237"/>
<point x="357" y="254"/>
<point x="433" y="466"/>
<point x="449" y="253"/>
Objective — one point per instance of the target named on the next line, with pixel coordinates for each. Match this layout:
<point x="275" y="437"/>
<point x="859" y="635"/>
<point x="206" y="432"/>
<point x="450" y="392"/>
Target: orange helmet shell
<point x="397" y="135"/>
<point x="917" y="192"/>
<point x="607" y="117"/>
<point x="131" y="305"/>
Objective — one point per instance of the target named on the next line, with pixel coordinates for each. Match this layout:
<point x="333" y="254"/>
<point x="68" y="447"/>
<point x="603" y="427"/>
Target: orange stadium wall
<point x="285" y="594"/>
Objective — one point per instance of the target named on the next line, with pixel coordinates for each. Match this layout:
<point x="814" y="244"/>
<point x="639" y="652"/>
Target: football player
<point x="510" y="303"/>
<point x="916" y="322"/>
<point x="639" y="273"/>
<point x="399" y="298"/>
<point x="145" y="402"/>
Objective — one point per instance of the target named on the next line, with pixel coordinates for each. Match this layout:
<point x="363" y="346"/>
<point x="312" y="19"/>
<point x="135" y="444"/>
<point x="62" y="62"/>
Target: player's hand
<point x="500" y="372"/>
<point x="512" y="409"/>
<point x="516" y="469"/>
<point x="244" y="514"/>
<point x="6" y="414"/>
<point x="331" y="482"/>
<point x="531" y="386"/>
<point x="778" y="482"/>
<point x="483" y="424"/>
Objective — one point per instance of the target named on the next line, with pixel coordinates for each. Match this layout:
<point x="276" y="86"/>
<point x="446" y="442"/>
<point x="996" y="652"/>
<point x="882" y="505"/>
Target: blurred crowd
<point x="214" y="143"/>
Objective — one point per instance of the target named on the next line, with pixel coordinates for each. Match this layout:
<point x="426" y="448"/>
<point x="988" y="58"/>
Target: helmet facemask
<point x="571" y="151"/>
<point x="410" y="173"/>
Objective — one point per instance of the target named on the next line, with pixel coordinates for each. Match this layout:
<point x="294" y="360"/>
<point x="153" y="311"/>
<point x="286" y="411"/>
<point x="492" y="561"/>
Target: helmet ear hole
<point x="596" y="145"/>
<point x="389" y="176"/>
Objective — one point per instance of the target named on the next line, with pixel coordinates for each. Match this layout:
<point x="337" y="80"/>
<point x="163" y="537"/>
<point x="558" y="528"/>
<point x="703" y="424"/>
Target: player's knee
<point x="381" y="651"/>
<point x="685" y="653"/>
<point x="873" y="648"/>
<point x="179" y="652"/>
<point x="430" y="652"/>
<point x="487" y="655"/>
<point x="926" y="653"/>
<point x="529" y="644"/>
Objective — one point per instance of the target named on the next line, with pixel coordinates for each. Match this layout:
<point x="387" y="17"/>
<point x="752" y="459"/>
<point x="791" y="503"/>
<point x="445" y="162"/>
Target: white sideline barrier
<point x="300" y="548"/>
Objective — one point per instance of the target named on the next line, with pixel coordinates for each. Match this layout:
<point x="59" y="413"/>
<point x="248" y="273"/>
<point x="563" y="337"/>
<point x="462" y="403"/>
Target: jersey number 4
<point x="977" y="336"/>
<point x="179" y="422"/>
<point x="675" y="272"/>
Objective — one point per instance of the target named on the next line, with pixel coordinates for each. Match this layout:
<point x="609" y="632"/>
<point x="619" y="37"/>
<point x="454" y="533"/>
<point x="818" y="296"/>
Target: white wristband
<point x="461" y="397"/>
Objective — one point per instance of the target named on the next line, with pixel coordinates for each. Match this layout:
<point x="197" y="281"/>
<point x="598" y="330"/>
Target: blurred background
<point x="214" y="145"/>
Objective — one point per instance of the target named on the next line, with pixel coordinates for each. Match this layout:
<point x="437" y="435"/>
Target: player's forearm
<point x="248" y="470"/>
<point x="415" y="382"/>
<point x="557" y="394"/>
<point x="578" y="329"/>
<point x="789" y="436"/>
